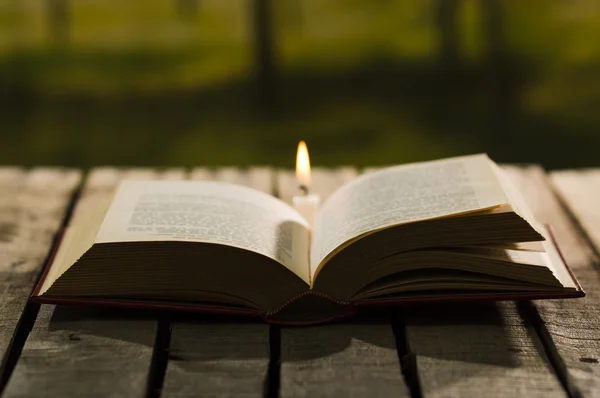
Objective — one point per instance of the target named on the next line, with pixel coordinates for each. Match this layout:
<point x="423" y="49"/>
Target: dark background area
<point x="217" y="82"/>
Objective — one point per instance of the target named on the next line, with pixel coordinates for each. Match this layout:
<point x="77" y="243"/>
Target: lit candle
<point x="307" y="203"/>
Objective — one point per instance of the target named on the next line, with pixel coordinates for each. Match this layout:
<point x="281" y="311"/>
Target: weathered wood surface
<point x="466" y="350"/>
<point x="85" y="352"/>
<point x="350" y="359"/>
<point x="574" y="325"/>
<point x="571" y="326"/>
<point x="32" y="207"/>
<point x="341" y="360"/>
<point x="580" y="192"/>
<point x="220" y="357"/>
<point x="460" y="350"/>
<point x="209" y="357"/>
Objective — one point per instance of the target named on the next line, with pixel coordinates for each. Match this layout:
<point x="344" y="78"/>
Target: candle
<point x="307" y="203"/>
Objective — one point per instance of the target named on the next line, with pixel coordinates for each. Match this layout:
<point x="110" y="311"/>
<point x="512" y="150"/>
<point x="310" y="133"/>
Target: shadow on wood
<point x="372" y="328"/>
<point x="99" y="321"/>
<point x="77" y="321"/>
<point x="447" y="320"/>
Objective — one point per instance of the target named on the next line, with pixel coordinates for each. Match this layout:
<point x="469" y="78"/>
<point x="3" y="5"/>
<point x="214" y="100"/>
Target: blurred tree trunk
<point x="447" y="22"/>
<point x="501" y="79"/>
<point x="264" y="51"/>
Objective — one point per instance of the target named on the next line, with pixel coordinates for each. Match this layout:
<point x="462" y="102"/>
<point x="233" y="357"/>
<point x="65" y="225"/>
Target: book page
<point x="404" y="194"/>
<point x="211" y="212"/>
<point x="516" y="200"/>
<point x="77" y="239"/>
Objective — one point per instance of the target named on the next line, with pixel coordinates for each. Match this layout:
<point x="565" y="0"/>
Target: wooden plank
<point x="341" y="360"/>
<point x="349" y="359"/>
<point x="463" y="350"/>
<point x="32" y="207"/>
<point x="534" y="185"/>
<point x="257" y="177"/>
<point x="220" y="357"/>
<point x="580" y="191"/>
<point x="467" y="350"/>
<point x="216" y="357"/>
<point x="87" y="352"/>
<point x="572" y="325"/>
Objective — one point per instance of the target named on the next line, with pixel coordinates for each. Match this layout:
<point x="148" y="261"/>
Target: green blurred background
<point x="218" y="82"/>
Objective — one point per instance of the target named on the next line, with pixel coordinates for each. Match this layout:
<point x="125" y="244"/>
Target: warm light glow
<point x="303" y="165"/>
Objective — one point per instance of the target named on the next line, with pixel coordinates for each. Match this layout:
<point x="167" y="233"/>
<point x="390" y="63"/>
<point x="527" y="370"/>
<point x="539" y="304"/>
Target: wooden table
<point x="530" y="349"/>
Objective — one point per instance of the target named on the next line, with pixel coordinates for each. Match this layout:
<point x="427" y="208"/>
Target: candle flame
<point x="303" y="165"/>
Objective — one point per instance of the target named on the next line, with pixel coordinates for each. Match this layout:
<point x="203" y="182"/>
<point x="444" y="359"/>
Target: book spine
<point x="310" y="308"/>
<point x="307" y="293"/>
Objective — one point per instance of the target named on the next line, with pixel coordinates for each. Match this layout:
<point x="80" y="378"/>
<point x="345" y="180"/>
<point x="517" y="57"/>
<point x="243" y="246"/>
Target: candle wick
<point x="304" y="189"/>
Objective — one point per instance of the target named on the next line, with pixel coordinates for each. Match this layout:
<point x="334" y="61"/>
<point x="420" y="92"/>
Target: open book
<point x="453" y="229"/>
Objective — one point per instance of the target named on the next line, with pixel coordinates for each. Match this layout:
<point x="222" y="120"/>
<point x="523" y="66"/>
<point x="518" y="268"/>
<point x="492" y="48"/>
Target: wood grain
<point x="81" y="352"/>
<point x="467" y="350"/>
<point x="463" y="350"/>
<point x="572" y="324"/>
<point x="341" y="360"/>
<point x="32" y="208"/>
<point x="216" y="356"/>
<point x="534" y="185"/>
<point x="580" y="191"/>
<point x="350" y="359"/>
